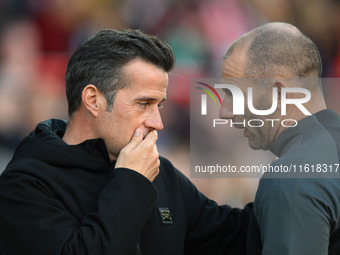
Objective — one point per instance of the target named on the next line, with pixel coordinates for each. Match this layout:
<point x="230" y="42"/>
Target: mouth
<point x="239" y="124"/>
<point x="246" y="133"/>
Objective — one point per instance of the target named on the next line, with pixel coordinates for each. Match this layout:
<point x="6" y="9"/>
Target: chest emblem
<point x="165" y="215"/>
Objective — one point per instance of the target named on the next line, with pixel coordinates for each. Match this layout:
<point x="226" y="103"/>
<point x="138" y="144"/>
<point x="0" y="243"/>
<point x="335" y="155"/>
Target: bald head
<point x="278" y="49"/>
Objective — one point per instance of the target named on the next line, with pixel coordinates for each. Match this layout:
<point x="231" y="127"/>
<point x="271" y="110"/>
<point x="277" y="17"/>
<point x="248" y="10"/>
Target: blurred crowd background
<point x="37" y="38"/>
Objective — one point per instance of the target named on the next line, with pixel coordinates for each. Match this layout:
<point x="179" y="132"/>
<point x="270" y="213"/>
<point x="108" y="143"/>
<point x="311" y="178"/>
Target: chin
<point x="255" y="145"/>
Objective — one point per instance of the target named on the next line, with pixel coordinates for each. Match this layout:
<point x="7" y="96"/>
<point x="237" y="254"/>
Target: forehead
<point x="234" y="65"/>
<point x="141" y="76"/>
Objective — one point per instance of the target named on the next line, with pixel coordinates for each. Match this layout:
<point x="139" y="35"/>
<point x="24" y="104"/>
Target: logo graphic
<point x="239" y="98"/>
<point x="204" y="97"/>
<point x="280" y="97"/>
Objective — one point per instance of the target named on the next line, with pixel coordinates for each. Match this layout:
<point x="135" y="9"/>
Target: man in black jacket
<point x="296" y="210"/>
<point x="96" y="184"/>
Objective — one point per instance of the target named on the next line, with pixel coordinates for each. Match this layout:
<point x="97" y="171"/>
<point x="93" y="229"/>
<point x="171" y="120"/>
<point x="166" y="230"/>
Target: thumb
<point x="135" y="140"/>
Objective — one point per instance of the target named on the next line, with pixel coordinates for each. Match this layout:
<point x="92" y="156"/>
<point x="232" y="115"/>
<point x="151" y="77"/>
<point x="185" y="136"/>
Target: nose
<point x="154" y="121"/>
<point x="226" y="110"/>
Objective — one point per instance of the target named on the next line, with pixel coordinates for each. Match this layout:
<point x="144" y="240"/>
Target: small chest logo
<point x="165" y="215"/>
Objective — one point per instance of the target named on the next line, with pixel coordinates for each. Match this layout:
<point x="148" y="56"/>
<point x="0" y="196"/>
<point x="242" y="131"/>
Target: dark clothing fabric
<point x="62" y="199"/>
<point x="301" y="215"/>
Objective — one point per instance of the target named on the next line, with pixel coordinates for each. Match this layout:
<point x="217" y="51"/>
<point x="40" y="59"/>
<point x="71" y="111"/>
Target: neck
<point x="78" y="130"/>
<point x="295" y="114"/>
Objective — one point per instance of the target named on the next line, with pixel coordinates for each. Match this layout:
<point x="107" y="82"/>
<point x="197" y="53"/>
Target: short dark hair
<point x="278" y="48"/>
<point x="99" y="61"/>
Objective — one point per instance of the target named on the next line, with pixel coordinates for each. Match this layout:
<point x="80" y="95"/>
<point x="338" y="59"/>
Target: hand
<point x="141" y="155"/>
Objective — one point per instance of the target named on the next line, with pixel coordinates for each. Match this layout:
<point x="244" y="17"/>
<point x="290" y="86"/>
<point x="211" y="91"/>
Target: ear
<point x="279" y="84"/>
<point x="91" y="99"/>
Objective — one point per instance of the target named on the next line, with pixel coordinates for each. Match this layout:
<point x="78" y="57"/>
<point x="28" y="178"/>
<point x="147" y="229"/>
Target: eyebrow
<point x="149" y="99"/>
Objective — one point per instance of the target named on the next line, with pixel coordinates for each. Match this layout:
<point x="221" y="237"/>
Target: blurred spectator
<point x="19" y="46"/>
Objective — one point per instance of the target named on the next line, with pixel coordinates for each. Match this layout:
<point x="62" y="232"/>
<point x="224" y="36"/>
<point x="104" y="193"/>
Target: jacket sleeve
<point x="33" y="221"/>
<point x="212" y="229"/>
<point x="293" y="216"/>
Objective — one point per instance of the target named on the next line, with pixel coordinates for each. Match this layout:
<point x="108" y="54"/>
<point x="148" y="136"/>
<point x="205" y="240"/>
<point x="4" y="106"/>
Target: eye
<point x="143" y="104"/>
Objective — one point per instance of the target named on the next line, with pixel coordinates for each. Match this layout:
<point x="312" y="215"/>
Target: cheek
<point x="126" y="119"/>
<point x="128" y="124"/>
<point x="248" y="115"/>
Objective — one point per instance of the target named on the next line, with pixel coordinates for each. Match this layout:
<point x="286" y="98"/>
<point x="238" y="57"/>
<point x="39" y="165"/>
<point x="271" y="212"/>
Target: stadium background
<point x="38" y="36"/>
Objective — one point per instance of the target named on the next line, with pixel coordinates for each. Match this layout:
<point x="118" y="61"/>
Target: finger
<point x="151" y="137"/>
<point x="155" y="148"/>
<point x="149" y="141"/>
<point x="135" y="140"/>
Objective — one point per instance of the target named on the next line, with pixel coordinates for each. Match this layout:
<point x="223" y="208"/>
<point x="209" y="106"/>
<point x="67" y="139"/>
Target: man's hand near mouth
<point x="141" y="155"/>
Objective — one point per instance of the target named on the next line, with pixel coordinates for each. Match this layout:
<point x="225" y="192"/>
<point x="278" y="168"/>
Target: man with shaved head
<point x="297" y="211"/>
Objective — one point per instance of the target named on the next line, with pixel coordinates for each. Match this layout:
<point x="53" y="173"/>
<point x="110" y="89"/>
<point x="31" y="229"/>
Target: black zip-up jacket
<point x="62" y="199"/>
